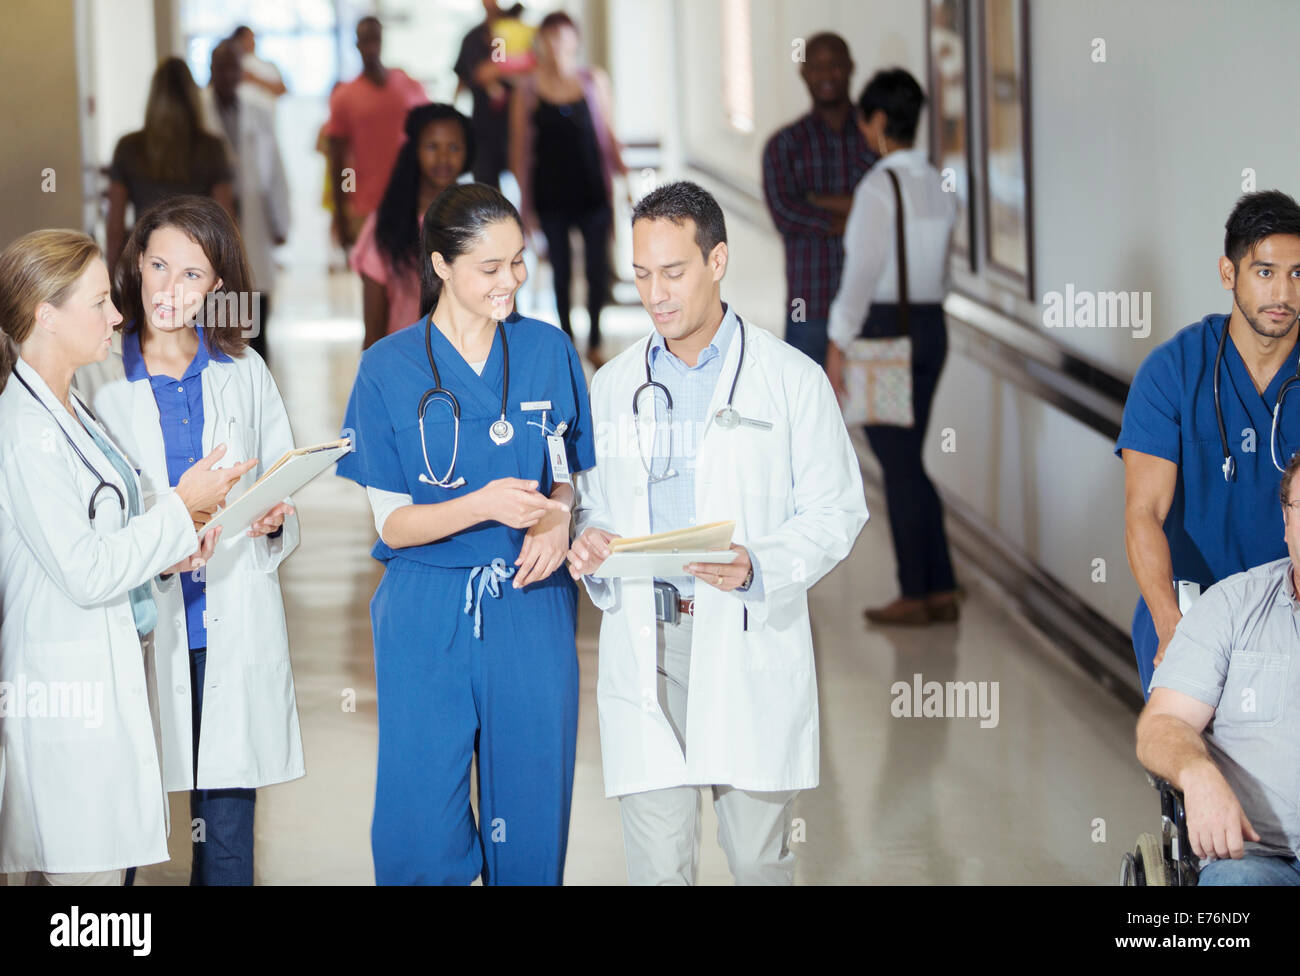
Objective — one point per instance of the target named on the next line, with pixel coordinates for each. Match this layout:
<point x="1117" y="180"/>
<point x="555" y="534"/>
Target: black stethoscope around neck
<point x="501" y="431"/>
<point x="727" y="418"/>
<point x="103" y="483"/>
<point x="1229" y="462"/>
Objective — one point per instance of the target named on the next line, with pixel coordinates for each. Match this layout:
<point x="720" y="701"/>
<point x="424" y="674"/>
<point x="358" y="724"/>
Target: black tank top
<point x="566" y="172"/>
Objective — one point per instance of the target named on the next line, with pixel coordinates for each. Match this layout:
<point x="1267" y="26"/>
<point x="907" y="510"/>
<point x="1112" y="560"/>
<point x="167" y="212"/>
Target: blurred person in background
<point x="564" y="155"/>
<point x="247" y="128"/>
<point x="366" y="119"/>
<point x="172" y="155"/>
<point x="491" y="55"/>
<point x="810" y="169"/>
<point x="439" y="147"/>
<point x="259" y="79"/>
<point x="868" y="303"/>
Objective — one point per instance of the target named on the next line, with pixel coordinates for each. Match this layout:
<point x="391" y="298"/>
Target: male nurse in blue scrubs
<point x="1200" y="499"/>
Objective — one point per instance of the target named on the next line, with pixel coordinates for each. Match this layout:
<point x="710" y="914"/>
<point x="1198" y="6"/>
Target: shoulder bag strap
<point x="901" y="245"/>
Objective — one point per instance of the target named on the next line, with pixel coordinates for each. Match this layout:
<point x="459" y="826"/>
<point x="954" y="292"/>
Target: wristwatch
<point x="749" y="578"/>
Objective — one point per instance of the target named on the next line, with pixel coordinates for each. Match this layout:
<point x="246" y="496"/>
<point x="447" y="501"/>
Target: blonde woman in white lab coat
<point x="172" y="392"/>
<point x="81" y="794"/>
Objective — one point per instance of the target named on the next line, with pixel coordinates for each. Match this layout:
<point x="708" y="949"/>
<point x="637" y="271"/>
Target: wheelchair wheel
<point x="1128" y="871"/>
<point x="1149" y="868"/>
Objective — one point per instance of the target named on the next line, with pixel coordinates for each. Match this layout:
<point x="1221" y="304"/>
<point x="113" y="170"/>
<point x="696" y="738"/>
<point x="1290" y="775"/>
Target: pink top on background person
<point x="370" y="118"/>
<point x="403" y="288"/>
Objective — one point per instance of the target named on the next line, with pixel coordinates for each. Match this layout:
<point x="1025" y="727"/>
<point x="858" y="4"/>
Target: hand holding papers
<point x="665" y="553"/>
<point x="286" y="476"/>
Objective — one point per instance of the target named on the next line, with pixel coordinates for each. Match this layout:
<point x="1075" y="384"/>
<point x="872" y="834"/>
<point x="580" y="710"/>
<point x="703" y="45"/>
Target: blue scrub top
<point x="180" y="413"/>
<point x="1215" y="529"/>
<point x="382" y="419"/>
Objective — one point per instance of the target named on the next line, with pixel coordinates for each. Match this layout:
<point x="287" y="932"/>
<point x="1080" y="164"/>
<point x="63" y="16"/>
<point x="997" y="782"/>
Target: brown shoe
<point x="942" y="607"/>
<point x="902" y="612"/>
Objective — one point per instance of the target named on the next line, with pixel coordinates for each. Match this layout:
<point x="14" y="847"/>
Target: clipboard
<point x="665" y="553"/>
<point x="282" y="479"/>
<point x="637" y="565"/>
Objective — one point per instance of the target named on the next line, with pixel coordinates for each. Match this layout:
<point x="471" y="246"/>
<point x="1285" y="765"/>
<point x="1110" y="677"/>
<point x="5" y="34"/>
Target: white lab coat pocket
<point x="766" y="647"/>
<point x="63" y="692"/>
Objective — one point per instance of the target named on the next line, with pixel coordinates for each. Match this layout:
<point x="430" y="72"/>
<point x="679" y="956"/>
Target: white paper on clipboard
<point x="635" y="565"/>
<point x="286" y="476"/>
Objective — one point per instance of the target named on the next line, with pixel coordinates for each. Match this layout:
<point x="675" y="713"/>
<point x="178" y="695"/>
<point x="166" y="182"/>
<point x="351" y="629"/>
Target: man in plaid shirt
<point x="809" y="171"/>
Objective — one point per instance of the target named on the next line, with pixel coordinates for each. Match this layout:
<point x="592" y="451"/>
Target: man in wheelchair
<point x="1223" y="720"/>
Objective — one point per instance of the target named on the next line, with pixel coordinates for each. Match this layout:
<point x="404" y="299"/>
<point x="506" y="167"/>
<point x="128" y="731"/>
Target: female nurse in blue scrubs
<point x="467" y="427"/>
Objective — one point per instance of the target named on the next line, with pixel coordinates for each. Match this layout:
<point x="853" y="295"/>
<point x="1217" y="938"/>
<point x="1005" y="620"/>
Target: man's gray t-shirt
<point x="1235" y="650"/>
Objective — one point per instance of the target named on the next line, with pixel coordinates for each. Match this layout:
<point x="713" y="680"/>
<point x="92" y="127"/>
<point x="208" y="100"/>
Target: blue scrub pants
<point x="509" y="696"/>
<point x="1145" y="644"/>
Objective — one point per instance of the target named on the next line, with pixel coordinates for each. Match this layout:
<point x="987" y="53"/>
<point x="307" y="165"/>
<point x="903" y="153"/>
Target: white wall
<point x="1138" y="161"/>
<point x="1136" y="164"/>
<point x="124" y="56"/>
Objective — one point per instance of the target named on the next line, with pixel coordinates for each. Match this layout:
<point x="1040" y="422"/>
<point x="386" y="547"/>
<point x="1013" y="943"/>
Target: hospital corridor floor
<point x="1038" y="786"/>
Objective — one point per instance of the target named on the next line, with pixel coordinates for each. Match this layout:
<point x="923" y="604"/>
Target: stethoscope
<point x="1229" y="462"/>
<point x="90" y="511"/>
<point x="501" y="430"/>
<point x="728" y="418"/>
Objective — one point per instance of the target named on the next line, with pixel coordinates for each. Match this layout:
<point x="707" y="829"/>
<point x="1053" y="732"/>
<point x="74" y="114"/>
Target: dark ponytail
<point x="453" y="224"/>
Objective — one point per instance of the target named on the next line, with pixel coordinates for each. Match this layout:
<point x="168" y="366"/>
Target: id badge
<point x="559" y="460"/>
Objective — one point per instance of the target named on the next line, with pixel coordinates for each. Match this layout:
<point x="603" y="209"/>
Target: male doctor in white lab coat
<point x="707" y="678"/>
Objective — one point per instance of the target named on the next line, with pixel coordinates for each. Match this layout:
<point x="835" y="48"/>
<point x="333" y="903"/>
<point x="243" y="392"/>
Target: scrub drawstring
<point x="489" y="578"/>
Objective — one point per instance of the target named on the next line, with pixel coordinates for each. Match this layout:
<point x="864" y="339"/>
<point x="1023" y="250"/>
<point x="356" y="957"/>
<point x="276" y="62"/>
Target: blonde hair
<point x="39" y="267"/>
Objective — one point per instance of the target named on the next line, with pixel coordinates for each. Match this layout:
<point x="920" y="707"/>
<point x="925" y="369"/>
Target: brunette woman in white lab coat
<point x="185" y="380"/>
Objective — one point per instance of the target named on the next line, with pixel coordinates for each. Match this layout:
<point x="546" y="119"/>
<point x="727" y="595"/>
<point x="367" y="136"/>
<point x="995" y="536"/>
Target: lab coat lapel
<point x="73" y="426"/>
<point x="639" y="478"/>
<point x="215" y="378"/>
<point x="723" y="386"/>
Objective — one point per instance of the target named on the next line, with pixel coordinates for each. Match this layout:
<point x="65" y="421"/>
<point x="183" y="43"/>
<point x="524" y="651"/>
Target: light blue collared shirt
<point x="672" y="500"/>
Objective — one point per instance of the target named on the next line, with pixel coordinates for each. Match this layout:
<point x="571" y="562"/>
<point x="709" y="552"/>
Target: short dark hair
<point x="831" y="41"/>
<point x="1257" y="216"/>
<point x="555" y="20"/>
<point x="896" y="93"/>
<point x="1284" y="492"/>
<point x="682" y="201"/>
<point x="240" y="31"/>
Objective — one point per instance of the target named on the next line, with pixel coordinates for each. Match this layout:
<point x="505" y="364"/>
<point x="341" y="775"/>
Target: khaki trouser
<point x="661" y="828"/>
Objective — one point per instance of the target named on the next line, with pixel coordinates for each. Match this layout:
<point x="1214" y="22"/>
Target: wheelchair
<point x="1164" y="859"/>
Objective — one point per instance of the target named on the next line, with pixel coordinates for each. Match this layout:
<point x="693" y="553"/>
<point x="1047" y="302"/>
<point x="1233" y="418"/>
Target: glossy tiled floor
<point x="1051" y="794"/>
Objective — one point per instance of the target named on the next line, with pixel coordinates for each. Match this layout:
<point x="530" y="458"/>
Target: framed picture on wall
<point x="1007" y="195"/>
<point x="948" y="67"/>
